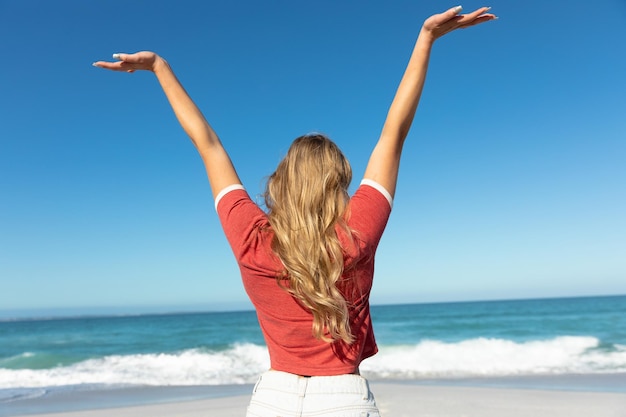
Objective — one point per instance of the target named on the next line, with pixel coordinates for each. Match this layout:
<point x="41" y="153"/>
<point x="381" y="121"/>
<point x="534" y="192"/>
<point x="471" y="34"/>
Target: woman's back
<point x="286" y="324"/>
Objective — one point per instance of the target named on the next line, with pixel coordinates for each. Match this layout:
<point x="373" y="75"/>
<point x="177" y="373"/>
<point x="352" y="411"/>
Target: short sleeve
<point x="239" y="216"/>
<point x="370" y="207"/>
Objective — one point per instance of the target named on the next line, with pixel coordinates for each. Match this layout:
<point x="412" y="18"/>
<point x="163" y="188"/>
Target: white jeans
<point x="281" y="394"/>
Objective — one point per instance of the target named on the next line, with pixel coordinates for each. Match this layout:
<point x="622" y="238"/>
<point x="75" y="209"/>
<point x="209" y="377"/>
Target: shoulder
<point x="369" y="211"/>
<point x="227" y="190"/>
<point x="242" y="220"/>
<point x="234" y="206"/>
<point x="370" y="190"/>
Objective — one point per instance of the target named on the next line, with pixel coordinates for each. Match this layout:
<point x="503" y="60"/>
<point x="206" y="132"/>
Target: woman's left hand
<point x="438" y="25"/>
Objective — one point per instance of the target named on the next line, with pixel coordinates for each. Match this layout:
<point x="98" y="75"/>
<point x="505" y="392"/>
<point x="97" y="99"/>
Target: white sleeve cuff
<point x="226" y="191"/>
<point x="380" y="189"/>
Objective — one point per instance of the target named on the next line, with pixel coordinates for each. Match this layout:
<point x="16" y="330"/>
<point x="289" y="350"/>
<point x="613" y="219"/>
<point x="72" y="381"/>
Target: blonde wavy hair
<point x="307" y="198"/>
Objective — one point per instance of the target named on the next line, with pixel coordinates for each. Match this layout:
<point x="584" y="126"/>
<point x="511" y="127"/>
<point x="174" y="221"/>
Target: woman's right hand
<point x="144" y="60"/>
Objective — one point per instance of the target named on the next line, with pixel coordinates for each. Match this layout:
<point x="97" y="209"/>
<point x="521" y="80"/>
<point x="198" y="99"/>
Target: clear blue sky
<point x="512" y="181"/>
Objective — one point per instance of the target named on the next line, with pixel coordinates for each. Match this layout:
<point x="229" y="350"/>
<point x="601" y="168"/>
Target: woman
<point x="307" y="265"/>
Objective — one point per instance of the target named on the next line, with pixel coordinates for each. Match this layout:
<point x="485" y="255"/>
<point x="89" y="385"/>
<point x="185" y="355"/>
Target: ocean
<point x="492" y="340"/>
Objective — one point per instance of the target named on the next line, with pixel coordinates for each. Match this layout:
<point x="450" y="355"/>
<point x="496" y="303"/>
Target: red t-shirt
<point x="286" y="325"/>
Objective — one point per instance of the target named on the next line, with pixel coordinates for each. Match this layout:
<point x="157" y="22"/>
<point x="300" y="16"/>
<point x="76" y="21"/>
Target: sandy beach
<point x="399" y="400"/>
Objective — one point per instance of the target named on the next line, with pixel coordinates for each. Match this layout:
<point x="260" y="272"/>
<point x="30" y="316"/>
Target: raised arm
<point x="385" y="159"/>
<point x="219" y="167"/>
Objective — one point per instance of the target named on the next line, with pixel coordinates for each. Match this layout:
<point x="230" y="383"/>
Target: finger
<point x="114" y="66"/>
<point x="135" y="58"/>
<point x="450" y="13"/>
<point x="121" y="56"/>
<point x="480" y="19"/>
<point x="477" y="20"/>
<point x="107" y="65"/>
<point x="443" y="18"/>
<point x="473" y="15"/>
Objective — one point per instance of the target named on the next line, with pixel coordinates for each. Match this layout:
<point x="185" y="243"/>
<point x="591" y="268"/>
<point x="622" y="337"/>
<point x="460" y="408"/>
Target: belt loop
<point x="256" y="386"/>
<point x="303" y="383"/>
<point x="366" y="388"/>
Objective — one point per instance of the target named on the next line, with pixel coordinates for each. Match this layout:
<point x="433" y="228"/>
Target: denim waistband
<point x="335" y="384"/>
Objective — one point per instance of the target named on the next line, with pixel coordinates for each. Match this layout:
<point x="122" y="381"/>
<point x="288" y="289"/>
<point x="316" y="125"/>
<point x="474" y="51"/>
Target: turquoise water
<point x="524" y="338"/>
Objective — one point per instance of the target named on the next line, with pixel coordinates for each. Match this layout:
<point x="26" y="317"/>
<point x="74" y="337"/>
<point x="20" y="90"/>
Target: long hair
<point x="307" y="197"/>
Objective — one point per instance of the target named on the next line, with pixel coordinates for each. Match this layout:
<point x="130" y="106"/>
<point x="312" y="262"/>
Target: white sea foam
<point x="237" y="365"/>
<point x="244" y="362"/>
<point x="495" y="357"/>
